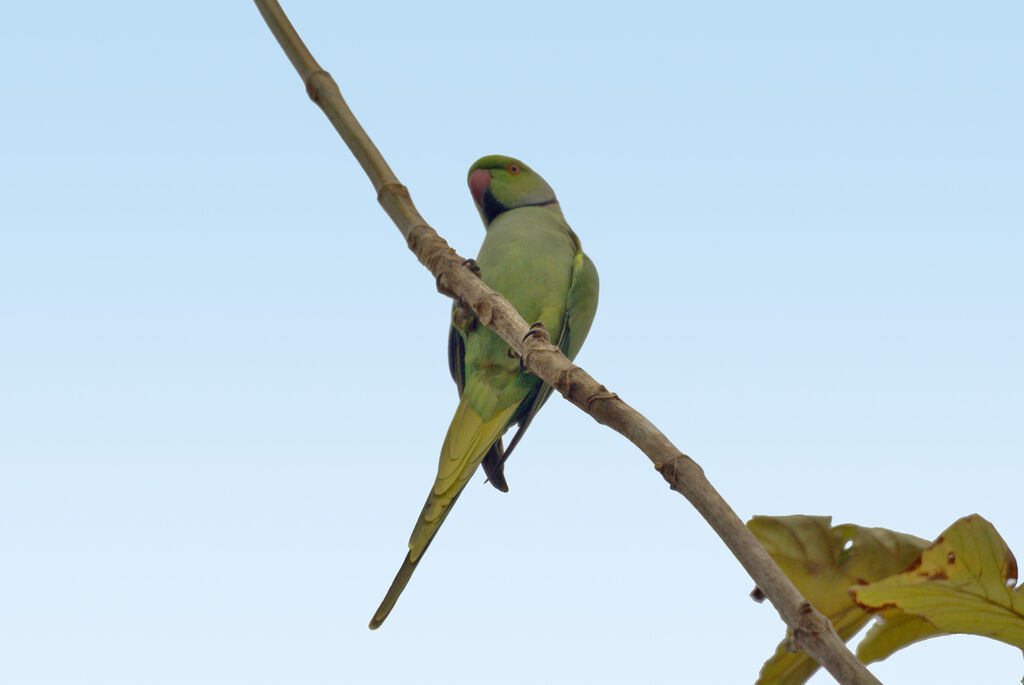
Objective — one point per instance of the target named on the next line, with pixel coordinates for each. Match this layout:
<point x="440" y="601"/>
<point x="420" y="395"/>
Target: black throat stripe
<point x="493" y="208"/>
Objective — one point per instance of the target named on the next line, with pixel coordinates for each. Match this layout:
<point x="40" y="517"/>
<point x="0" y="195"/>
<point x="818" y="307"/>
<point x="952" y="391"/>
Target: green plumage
<point x="532" y="257"/>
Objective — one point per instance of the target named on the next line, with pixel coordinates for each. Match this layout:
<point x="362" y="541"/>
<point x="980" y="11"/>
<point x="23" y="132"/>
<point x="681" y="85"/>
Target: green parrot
<point x="532" y="257"/>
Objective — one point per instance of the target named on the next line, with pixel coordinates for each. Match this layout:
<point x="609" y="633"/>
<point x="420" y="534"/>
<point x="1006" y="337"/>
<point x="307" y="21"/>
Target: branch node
<point x="678" y="471"/>
<point x="396" y="189"/>
<point x="810" y="625"/>
<point x="602" y="394"/>
<point x="311" y="88"/>
<point x="433" y="251"/>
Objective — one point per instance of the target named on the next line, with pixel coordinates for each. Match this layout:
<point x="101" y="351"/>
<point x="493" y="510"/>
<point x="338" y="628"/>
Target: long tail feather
<point x="468" y="440"/>
<point x="399" y="583"/>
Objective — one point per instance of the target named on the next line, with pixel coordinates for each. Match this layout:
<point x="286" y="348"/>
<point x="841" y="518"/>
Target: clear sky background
<point x="223" y="383"/>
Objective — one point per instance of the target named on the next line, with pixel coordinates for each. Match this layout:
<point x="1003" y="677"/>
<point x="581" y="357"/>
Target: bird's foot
<point x="463" y="317"/>
<point x="445" y="290"/>
<point x="537" y="330"/>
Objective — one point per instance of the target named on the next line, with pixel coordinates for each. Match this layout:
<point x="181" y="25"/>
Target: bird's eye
<point x="513" y="169"/>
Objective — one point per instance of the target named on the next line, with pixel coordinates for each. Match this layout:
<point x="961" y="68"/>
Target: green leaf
<point x="963" y="583"/>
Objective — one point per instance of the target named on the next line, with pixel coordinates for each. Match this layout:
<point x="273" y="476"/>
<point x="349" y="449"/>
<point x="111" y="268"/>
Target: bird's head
<point x="500" y="183"/>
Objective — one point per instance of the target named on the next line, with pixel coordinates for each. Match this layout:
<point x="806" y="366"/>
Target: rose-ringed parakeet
<point x="532" y="257"/>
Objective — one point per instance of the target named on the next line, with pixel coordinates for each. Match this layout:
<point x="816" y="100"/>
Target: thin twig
<point x="812" y="631"/>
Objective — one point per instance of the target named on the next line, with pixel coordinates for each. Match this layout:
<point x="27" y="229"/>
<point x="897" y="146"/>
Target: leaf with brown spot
<point x="824" y="561"/>
<point x="963" y="583"/>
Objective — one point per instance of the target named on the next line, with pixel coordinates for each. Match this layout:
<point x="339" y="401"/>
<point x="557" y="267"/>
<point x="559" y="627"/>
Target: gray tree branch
<point x="812" y="631"/>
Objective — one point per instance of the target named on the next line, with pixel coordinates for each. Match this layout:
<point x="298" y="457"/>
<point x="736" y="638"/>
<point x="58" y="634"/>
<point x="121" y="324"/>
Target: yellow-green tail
<point x="468" y="439"/>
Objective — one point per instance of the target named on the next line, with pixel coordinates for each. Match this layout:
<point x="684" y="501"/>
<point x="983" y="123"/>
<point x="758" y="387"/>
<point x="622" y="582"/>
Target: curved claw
<point x="538" y="330"/>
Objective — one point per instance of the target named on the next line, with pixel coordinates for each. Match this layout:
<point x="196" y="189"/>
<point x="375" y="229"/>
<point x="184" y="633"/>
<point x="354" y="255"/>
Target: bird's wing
<point x="580" y="307"/>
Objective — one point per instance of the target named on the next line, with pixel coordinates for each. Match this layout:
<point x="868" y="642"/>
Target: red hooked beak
<point x="479" y="180"/>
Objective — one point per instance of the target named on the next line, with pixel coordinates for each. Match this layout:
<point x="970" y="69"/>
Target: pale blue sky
<point x="222" y="375"/>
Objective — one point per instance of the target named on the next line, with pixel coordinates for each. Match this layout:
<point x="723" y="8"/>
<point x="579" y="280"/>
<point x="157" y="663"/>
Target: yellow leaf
<point x="824" y="562"/>
<point x="963" y="583"/>
<point x="893" y="631"/>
